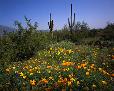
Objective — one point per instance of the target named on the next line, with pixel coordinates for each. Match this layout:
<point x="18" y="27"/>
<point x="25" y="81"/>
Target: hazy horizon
<point x="96" y="13"/>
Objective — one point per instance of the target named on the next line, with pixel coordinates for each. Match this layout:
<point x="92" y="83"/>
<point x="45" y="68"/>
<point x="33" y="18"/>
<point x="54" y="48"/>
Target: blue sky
<point x="95" y="12"/>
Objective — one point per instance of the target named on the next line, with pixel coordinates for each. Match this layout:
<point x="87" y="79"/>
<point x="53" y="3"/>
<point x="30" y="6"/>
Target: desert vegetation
<point x="75" y="58"/>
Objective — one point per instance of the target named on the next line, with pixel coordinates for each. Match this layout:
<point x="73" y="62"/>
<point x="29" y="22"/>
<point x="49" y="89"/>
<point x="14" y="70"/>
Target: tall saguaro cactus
<point x="50" y="24"/>
<point x="71" y="22"/>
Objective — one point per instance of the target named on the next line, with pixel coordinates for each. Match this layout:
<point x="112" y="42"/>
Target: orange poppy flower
<point x="79" y="67"/>
<point x="112" y="75"/>
<point x="49" y="66"/>
<point x="83" y="65"/>
<point x="93" y="65"/>
<point x="44" y="80"/>
<point x="65" y="79"/>
<point x="112" y="56"/>
<point x="30" y="70"/>
<point x="112" y="48"/>
<point x="67" y="63"/>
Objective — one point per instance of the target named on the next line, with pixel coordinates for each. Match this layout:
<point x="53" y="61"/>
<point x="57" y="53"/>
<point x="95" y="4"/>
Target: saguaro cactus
<point x="50" y="24"/>
<point x="71" y="22"/>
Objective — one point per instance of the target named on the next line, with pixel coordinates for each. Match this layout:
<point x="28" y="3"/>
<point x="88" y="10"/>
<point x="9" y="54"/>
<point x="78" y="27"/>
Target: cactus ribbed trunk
<point x="71" y="22"/>
<point x="71" y="18"/>
<point x="50" y="24"/>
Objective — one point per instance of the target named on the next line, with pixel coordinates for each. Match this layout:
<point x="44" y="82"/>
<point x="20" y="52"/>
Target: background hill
<point x="4" y="29"/>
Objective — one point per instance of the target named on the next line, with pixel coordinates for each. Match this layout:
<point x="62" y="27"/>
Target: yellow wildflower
<point x="78" y="50"/>
<point x="31" y="73"/>
<point x="94" y="86"/>
<point x="24" y="77"/>
<point x="51" y="78"/>
<point x="33" y="82"/>
<point x="104" y="82"/>
<point x="26" y="66"/>
<point x="50" y="48"/>
<point x="13" y="67"/>
<point x="58" y="53"/>
<point x="87" y="74"/>
<point x="7" y="70"/>
<point x="107" y="73"/>
<point x="85" y="67"/>
<point x="60" y="80"/>
<point x="70" y="76"/>
<point x="69" y="51"/>
<point x="100" y="69"/>
<point x="88" y="69"/>
<point x="38" y="71"/>
<point x="104" y="72"/>
<point x="69" y="83"/>
<point x="78" y="83"/>
<point x="35" y="68"/>
<point x="72" y="79"/>
<point x="61" y="49"/>
<point x="21" y="74"/>
<point x="68" y="69"/>
<point x="49" y="71"/>
<point x="63" y="61"/>
<point x="92" y="66"/>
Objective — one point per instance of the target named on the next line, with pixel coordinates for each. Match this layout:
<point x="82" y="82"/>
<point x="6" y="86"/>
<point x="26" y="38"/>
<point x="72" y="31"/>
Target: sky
<point x="95" y="12"/>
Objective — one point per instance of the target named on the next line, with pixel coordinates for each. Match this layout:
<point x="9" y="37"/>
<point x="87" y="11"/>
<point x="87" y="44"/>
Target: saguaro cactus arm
<point x="74" y="20"/>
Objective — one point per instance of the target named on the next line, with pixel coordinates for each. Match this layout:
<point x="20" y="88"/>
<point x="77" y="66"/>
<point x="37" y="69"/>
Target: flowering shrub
<point x="60" y="68"/>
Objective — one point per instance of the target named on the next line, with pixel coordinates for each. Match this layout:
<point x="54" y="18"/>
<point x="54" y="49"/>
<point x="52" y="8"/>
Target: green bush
<point x="23" y="43"/>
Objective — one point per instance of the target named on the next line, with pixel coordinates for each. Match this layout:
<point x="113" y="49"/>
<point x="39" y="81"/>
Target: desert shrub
<point x="23" y="43"/>
<point x="63" y="44"/>
<point x="61" y="35"/>
<point x="108" y="33"/>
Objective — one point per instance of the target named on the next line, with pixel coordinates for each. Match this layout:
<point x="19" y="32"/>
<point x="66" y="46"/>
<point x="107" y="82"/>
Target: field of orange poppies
<point x="62" y="68"/>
